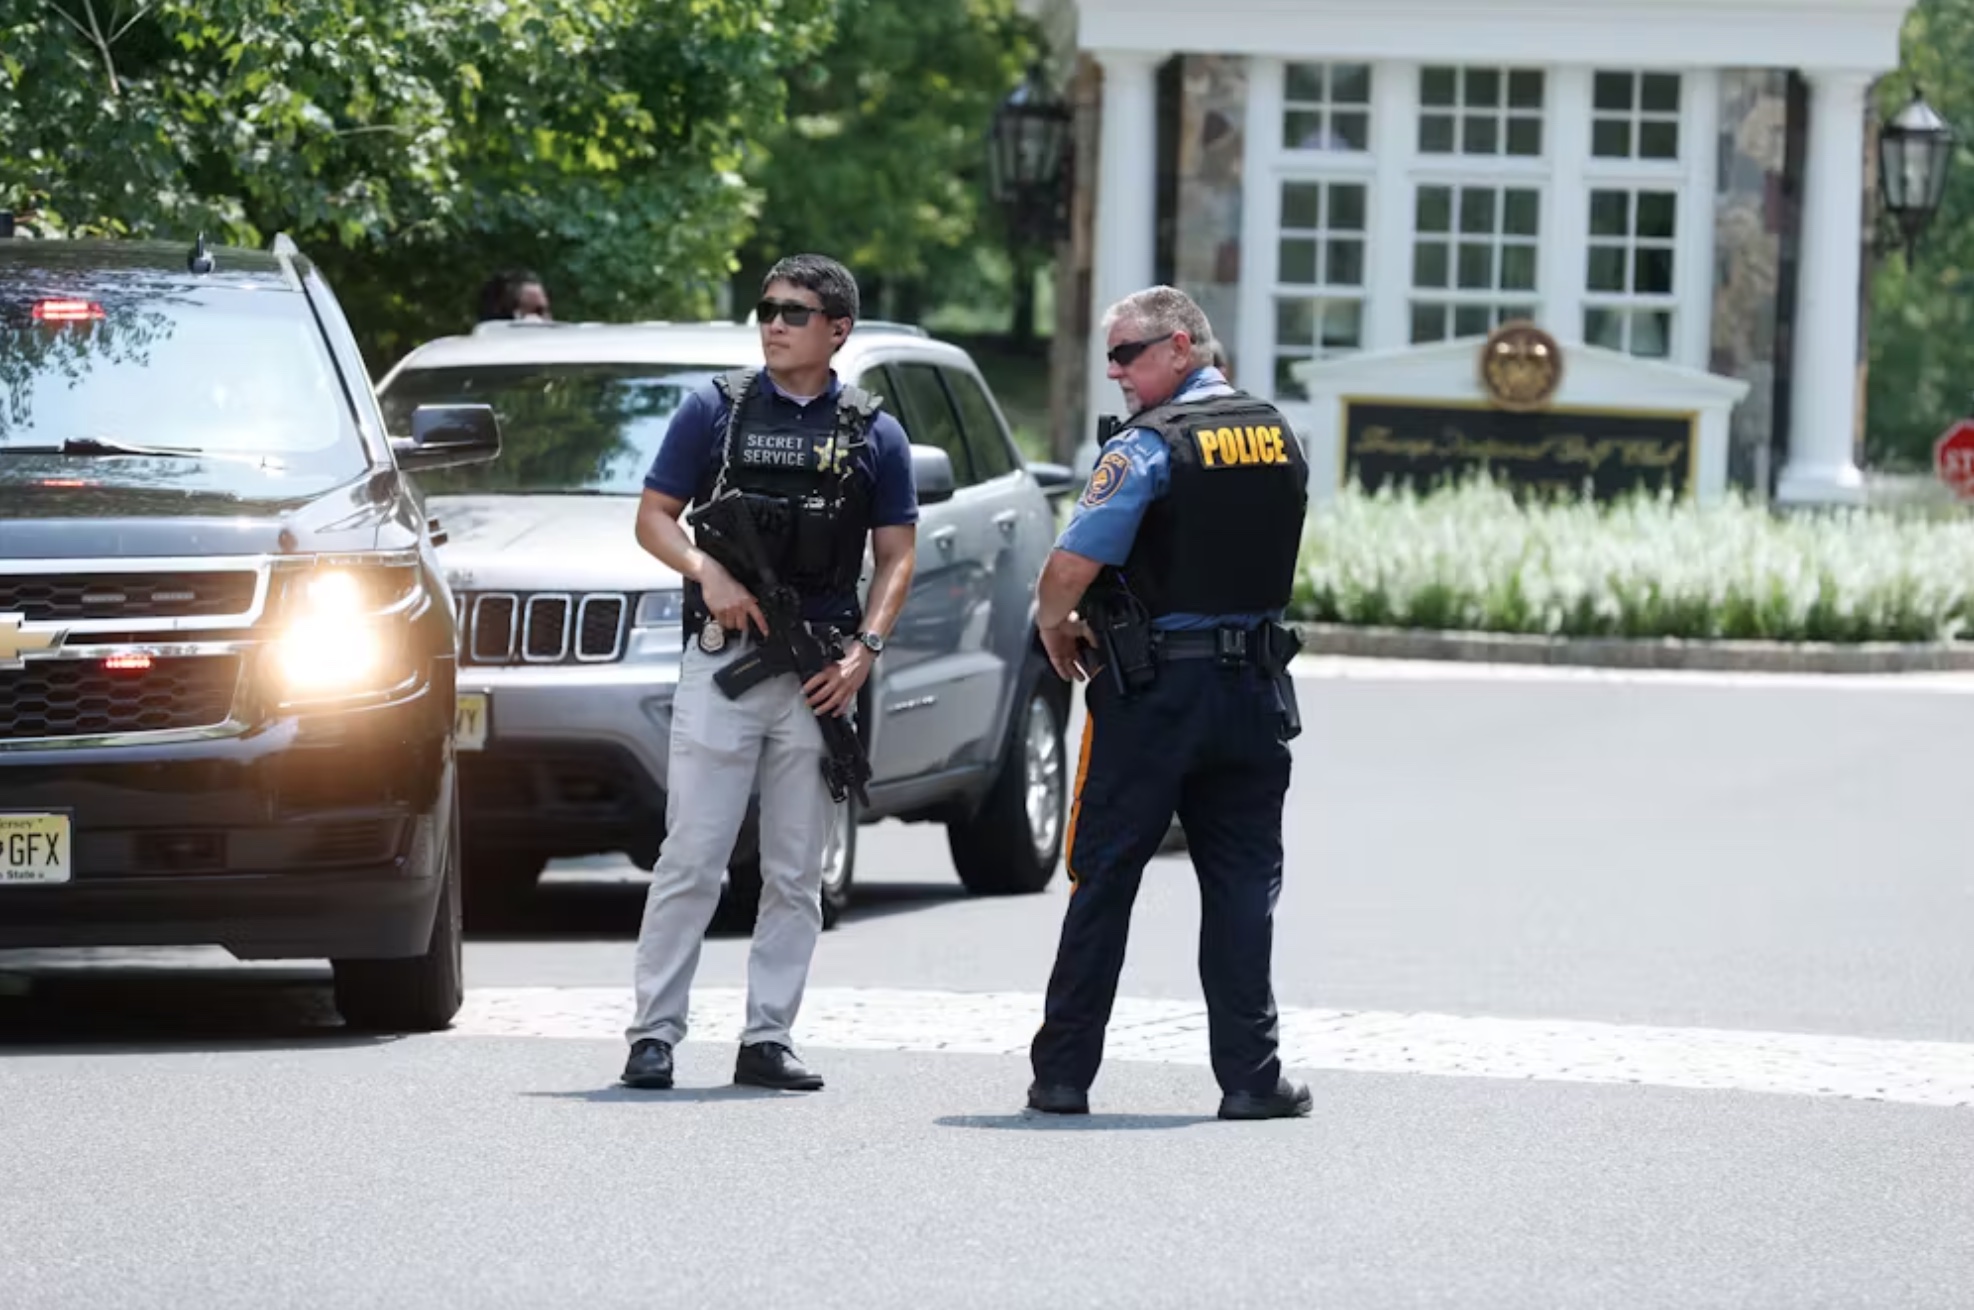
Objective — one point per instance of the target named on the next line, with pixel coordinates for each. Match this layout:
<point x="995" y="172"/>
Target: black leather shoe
<point x="1288" y="1101"/>
<point x="650" y="1065"/>
<point x="770" y="1064"/>
<point x="1056" y="1098"/>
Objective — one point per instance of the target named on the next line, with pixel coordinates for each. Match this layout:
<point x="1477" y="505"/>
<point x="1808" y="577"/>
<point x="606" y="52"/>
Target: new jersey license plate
<point x="34" y="848"/>
<point x="469" y="728"/>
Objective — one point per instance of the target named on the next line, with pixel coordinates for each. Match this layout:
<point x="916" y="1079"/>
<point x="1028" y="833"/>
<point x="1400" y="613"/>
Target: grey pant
<point x="718" y="749"/>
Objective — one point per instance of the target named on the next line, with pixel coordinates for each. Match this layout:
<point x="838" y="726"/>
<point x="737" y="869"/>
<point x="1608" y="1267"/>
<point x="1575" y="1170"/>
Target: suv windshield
<point x="569" y="428"/>
<point x="241" y="376"/>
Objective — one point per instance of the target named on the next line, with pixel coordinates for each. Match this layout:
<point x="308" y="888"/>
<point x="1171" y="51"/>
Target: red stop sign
<point x="1953" y="457"/>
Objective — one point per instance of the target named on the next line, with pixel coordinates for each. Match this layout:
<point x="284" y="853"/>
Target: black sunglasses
<point x="1125" y="353"/>
<point x="792" y="312"/>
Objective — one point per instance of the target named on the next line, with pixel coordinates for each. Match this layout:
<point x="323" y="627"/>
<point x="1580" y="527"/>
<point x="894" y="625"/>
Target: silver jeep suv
<point x="571" y="637"/>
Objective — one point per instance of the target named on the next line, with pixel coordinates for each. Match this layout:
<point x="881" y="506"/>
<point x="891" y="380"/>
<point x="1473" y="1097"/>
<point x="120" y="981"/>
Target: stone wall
<point x="1207" y="237"/>
<point x="1751" y="209"/>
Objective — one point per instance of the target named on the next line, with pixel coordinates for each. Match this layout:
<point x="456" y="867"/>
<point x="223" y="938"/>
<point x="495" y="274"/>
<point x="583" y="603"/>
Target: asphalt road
<point x="1612" y="992"/>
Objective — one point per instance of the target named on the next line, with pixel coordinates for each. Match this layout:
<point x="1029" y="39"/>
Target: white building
<point x="1679" y="181"/>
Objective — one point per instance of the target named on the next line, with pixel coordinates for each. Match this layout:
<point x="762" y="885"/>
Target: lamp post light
<point x="1028" y="174"/>
<point x="1915" y="151"/>
<point x="1028" y="160"/>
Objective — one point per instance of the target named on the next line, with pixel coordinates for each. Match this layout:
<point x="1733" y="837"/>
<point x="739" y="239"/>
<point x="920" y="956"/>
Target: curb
<point x="1635" y="652"/>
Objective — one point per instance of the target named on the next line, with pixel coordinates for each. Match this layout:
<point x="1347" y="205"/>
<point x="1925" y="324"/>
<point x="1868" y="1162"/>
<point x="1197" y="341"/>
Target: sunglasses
<point x="792" y="312"/>
<point x="1125" y="353"/>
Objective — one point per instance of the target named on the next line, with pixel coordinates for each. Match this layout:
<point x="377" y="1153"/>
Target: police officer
<point x="834" y="474"/>
<point x="1181" y="555"/>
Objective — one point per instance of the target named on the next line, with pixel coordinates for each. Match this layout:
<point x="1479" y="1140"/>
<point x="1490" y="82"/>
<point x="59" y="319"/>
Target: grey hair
<point x="1160" y="310"/>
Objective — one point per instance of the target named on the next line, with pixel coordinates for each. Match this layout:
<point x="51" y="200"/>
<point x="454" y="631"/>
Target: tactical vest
<point x="814" y="512"/>
<point x="1225" y="536"/>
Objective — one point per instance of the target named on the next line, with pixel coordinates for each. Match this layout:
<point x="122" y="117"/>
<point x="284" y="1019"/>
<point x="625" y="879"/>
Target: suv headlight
<point x="344" y="633"/>
<point x="655" y="626"/>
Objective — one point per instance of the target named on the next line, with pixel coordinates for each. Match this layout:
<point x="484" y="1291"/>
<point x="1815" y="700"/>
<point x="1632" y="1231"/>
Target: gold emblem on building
<point x="1521" y="366"/>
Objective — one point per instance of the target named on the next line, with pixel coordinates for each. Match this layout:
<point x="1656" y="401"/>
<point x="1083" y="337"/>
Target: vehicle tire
<point x="1012" y="844"/>
<point x="420" y="994"/>
<point x="740" y="905"/>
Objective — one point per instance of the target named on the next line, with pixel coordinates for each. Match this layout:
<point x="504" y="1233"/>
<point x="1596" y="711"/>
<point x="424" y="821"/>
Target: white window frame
<point x="1393" y="167"/>
<point x="1262" y="226"/>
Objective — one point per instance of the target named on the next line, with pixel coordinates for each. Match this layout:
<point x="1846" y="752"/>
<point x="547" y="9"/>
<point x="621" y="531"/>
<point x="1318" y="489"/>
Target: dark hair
<point x="497" y="292"/>
<point x="830" y="281"/>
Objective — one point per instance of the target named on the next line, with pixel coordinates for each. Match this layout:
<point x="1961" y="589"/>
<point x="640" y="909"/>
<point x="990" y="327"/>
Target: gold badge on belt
<point x="712" y="638"/>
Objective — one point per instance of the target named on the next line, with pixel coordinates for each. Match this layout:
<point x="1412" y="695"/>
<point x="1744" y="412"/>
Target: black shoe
<point x="1287" y="1101"/>
<point x="770" y="1064"/>
<point x="1057" y="1098"/>
<point x="650" y="1065"/>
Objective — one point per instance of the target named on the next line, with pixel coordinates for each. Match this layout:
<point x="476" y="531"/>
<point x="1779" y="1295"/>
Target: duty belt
<point x="714" y="638"/>
<point x="1229" y="645"/>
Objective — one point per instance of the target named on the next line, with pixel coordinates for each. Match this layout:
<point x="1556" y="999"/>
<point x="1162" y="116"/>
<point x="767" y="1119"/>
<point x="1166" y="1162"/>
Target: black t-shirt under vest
<point x="1225" y="536"/>
<point x="800" y="466"/>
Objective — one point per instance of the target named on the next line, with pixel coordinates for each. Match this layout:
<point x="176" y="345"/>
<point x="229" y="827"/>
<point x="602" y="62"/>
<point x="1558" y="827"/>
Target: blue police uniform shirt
<point x="690" y="454"/>
<point x="1131" y="472"/>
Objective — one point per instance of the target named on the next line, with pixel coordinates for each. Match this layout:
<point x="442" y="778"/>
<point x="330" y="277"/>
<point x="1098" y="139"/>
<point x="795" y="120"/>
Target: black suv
<point x="226" y="655"/>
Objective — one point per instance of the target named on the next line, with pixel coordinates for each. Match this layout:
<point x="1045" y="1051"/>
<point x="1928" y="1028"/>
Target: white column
<point x="1124" y="253"/>
<point x="1823" y="391"/>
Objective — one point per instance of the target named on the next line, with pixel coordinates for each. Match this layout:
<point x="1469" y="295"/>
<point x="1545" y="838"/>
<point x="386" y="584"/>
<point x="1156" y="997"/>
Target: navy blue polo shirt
<point x="689" y="457"/>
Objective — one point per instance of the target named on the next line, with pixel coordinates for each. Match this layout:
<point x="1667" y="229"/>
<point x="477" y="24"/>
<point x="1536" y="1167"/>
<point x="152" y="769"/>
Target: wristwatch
<point x="871" y="642"/>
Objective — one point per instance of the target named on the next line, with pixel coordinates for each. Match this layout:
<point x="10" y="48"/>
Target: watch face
<point x="871" y="640"/>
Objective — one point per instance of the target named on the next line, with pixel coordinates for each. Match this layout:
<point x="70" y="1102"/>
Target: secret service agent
<point x="822" y="471"/>
<point x="1182" y="554"/>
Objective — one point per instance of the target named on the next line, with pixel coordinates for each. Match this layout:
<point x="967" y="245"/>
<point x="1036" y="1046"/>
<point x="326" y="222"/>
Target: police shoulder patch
<point x="1107" y="477"/>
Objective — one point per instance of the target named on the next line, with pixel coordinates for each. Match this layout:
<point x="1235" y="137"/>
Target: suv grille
<point x="71" y="596"/>
<point x="546" y="628"/>
<point x="80" y="698"/>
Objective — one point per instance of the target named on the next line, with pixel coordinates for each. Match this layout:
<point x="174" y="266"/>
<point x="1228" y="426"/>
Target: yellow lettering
<point x="1209" y="445"/>
<point x="1278" y="452"/>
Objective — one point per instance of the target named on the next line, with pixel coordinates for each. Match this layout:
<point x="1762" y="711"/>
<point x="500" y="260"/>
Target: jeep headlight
<point x="343" y="633"/>
<point x="655" y="626"/>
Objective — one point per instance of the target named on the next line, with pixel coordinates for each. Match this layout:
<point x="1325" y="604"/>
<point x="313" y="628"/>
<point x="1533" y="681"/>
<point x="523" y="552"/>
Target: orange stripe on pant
<point x="1076" y="804"/>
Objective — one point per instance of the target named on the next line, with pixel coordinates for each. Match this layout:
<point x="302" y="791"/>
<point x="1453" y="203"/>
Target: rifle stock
<point x="725" y="530"/>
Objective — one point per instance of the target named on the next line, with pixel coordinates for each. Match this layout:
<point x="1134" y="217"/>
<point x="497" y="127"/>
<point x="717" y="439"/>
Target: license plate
<point x="469" y="720"/>
<point x="34" y="848"/>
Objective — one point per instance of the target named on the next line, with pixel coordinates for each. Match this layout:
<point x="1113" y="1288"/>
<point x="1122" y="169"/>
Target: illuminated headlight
<point x="655" y="627"/>
<point x="342" y="634"/>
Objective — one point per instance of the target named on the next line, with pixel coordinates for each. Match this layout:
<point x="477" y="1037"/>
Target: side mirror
<point x="1056" y="480"/>
<point x="932" y="474"/>
<point x="447" y="436"/>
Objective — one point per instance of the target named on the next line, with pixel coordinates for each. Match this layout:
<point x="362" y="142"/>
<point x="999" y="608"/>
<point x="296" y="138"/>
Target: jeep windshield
<point x="571" y="429"/>
<point x="222" y="380"/>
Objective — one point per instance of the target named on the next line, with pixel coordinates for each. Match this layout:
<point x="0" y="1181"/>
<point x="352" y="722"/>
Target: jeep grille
<point x="544" y="627"/>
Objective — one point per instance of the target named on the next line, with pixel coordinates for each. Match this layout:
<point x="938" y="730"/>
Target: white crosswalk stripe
<point x="1174" y="1032"/>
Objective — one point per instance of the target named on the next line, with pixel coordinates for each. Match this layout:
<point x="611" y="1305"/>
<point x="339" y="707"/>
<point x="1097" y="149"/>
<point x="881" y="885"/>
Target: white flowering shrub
<point x="1471" y="557"/>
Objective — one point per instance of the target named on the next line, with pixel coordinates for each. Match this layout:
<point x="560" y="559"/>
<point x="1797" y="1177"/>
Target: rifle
<point x="725" y="529"/>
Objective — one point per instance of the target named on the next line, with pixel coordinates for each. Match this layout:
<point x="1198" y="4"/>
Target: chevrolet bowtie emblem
<point x="18" y="640"/>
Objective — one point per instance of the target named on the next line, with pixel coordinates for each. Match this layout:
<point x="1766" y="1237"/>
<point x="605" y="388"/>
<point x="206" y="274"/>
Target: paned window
<point x="1480" y="111"/>
<point x="1474" y="258"/>
<point x="1633" y="239"/>
<point x="1635" y="116"/>
<point x="1327" y="107"/>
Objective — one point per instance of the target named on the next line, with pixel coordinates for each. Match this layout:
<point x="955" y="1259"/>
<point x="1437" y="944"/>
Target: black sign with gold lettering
<point x="1425" y="444"/>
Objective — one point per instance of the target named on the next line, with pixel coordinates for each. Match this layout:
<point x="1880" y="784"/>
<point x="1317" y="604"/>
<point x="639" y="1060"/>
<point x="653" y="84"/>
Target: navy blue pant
<point x="1204" y="742"/>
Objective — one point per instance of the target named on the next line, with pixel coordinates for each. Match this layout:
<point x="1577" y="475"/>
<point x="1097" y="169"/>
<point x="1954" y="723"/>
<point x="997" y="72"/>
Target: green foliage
<point x="1472" y="557"/>
<point x="411" y="149"/>
<point x="1921" y="333"/>
<point x="882" y="160"/>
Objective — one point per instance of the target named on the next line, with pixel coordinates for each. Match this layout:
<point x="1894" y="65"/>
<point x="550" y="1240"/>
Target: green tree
<point x="1921" y="332"/>
<point x="411" y="149"/>
<point x="881" y="160"/>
